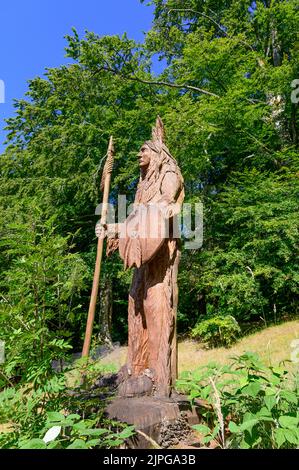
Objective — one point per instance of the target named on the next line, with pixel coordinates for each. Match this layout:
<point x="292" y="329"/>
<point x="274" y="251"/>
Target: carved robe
<point x="153" y="295"/>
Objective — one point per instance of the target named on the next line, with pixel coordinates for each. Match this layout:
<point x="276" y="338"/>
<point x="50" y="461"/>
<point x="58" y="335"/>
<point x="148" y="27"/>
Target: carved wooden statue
<point x="147" y="242"/>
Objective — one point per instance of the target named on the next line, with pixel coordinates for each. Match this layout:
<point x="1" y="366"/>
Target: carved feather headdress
<point x="163" y="157"/>
<point x="158" y="133"/>
<point x="157" y="144"/>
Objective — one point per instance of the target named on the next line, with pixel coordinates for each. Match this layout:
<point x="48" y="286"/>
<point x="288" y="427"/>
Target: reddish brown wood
<point x="105" y="185"/>
<point x="152" y="345"/>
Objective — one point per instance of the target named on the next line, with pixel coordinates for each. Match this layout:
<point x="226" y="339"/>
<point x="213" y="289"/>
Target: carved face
<point x="144" y="156"/>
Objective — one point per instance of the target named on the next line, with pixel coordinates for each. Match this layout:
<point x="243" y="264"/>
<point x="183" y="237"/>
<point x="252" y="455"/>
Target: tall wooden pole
<point x="105" y="185"/>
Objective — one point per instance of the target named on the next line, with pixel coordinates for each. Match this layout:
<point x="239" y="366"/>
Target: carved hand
<point x="101" y="230"/>
<point x="107" y="230"/>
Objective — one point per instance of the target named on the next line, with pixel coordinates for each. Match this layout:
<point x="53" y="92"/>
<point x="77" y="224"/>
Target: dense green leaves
<point x="225" y="98"/>
<point x="255" y="406"/>
<point x="217" y="331"/>
<point x="31" y="422"/>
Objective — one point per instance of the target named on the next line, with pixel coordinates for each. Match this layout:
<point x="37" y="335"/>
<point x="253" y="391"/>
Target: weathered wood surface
<point x="166" y="421"/>
<point x="148" y="242"/>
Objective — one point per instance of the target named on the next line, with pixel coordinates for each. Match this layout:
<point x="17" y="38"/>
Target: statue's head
<point x="151" y="150"/>
<point x="154" y="157"/>
<point x="145" y="156"/>
<point x="154" y="154"/>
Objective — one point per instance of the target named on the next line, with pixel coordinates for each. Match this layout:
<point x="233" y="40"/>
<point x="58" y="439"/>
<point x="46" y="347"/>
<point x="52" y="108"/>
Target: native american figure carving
<point x="148" y="242"/>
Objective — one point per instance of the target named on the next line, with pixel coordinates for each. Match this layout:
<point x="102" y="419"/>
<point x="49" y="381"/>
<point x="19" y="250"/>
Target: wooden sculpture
<point x="147" y="242"/>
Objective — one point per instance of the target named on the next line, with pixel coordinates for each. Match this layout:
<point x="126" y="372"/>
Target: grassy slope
<point x="273" y="344"/>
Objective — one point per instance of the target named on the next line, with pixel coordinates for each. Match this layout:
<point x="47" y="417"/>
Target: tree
<point x="225" y="99"/>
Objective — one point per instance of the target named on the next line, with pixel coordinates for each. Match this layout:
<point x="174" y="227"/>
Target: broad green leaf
<point x="127" y="432"/>
<point x="291" y="397"/>
<point x="67" y="423"/>
<point x="252" y="389"/>
<point x="73" y="417"/>
<point x="82" y="425"/>
<point x="233" y="427"/>
<point x="270" y="401"/>
<point x="202" y="428"/>
<point x="248" y="425"/>
<point x="264" y="413"/>
<point x="114" y="442"/>
<point x="244" y="444"/>
<point x="93" y="443"/>
<point x="291" y="436"/>
<point x="270" y="391"/>
<point x="288" y="421"/>
<point x="34" y="444"/>
<point x="280" y="437"/>
<point x="77" y="444"/>
<point x="194" y="394"/>
<point x="54" y="416"/>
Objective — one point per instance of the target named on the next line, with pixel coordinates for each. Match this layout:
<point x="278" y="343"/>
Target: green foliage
<point x="76" y="433"/>
<point x="238" y="151"/>
<point x="249" y="405"/>
<point x="55" y="416"/>
<point x="251" y="271"/>
<point x="217" y="331"/>
<point x="40" y="285"/>
<point x="225" y="98"/>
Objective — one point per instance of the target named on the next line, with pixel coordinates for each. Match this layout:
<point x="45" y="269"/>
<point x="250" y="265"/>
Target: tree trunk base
<point x="162" y="422"/>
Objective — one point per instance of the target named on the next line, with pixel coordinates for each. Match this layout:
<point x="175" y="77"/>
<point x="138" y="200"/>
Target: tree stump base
<point x="158" y="421"/>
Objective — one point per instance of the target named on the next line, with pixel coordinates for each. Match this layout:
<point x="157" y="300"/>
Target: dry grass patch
<point x="273" y="344"/>
<point x="117" y="357"/>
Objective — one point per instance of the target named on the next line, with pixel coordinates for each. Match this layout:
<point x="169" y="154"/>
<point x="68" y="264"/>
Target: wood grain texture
<point x="152" y="344"/>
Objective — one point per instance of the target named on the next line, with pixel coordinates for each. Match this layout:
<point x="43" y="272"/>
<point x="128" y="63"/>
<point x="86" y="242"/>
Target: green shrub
<point x="217" y="331"/>
<point x="57" y="416"/>
<point x="250" y="405"/>
<point x="39" y="301"/>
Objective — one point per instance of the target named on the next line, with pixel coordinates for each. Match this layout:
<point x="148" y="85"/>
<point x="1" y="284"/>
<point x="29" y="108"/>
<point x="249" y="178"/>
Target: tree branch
<point x="213" y="21"/>
<point x="158" y="83"/>
<point x="201" y="14"/>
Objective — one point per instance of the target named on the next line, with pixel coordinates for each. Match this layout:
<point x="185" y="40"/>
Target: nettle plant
<point x="58" y="415"/>
<point x="249" y="405"/>
<point x="72" y="432"/>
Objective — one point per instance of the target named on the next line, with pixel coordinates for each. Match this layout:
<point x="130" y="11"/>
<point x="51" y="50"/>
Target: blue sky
<point x="32" y="36"/>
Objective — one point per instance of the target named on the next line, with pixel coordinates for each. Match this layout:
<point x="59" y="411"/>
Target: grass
<point x="273" y="344"/>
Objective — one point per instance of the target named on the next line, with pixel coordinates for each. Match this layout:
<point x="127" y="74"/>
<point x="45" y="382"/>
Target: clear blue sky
<point x="32" y="36"/>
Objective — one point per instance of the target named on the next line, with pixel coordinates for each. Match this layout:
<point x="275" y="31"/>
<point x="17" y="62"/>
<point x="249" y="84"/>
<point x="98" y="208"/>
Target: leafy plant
<point x="249" y="405"/>
<point x="73" y="432"/>
<point x="54" y="415"/>
<point x="39" y="300"/>
<point x="217" y="331"/>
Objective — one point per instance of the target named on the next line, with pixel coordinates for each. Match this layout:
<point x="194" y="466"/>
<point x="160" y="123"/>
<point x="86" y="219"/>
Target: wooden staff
<point x="105" y="186"/>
